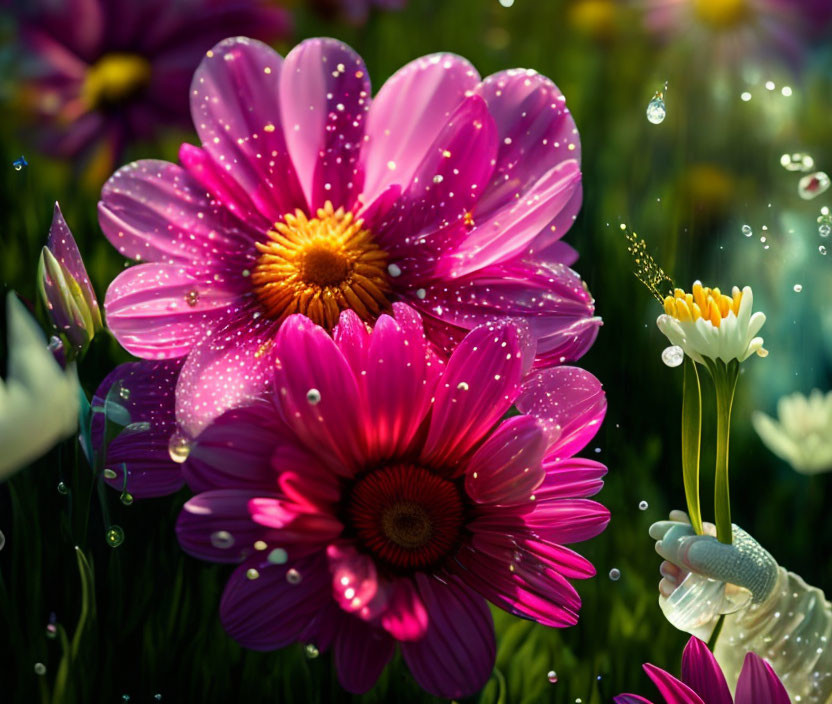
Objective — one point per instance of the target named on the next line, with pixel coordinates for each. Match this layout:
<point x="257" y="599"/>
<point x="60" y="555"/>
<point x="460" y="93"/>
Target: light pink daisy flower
<point x="376" y="498"/>
<point x="308" y="196"/>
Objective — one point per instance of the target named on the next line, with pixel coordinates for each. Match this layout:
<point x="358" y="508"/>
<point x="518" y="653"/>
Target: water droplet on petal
<point x="192" y="297"/>
<point x="252" y="573"/>
<point x="552" y="676"/>
<point x="643" y="505"/>
<point x="222" y="539"/>
<point x="394" y="270"/>
<point x="673" y="356"/>
<point x="179" y="448"/>
<point x="747" y="231"/>
<point x="109" y="473"/>
<point x="124" y="393"/>
<point x="812" y="185"/>
<point x="656" y="110"/>
<point x="114" y="536"/>
<point x="313" y="396"/>
<point x="421" y="293"/>
<point x="293" y="576"/>
<point x="278" y="556"/>
<point x="615" y="574"/>
<point x="462" y="386"/>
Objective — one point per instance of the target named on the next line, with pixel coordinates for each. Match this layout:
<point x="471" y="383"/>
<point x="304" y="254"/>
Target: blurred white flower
<point x="802" y="433"/>
<point x="708" y="324"/>
<point x="38" y="399"/>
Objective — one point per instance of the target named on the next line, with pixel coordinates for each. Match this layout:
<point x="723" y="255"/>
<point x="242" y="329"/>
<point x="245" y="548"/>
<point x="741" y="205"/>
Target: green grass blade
<point x="691" y="440"/>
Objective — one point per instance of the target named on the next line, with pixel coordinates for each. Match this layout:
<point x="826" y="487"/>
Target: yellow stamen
<point x="708" y="303"/>
<point x="115" y="78"/>
<point x="319" y="267"/>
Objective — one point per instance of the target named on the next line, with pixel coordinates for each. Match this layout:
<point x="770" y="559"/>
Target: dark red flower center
<point x="406" y="516"/>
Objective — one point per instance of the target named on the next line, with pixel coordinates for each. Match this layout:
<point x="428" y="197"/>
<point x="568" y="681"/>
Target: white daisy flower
<point x="802" y="433"/>
<point x="708" y="324"/>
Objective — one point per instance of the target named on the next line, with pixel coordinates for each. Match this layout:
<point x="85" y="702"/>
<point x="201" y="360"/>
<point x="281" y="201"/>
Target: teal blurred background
<point x="687" y="186"/>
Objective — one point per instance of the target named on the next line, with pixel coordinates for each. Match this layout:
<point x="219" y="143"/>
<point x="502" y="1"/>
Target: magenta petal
<point x="235" y="105"/>
<point x="230" y="367"/>
<point x="161" y="310"/>
<point x="216" y="526"/>
<point x="455" y="657"/>
<point x="353" y="339"/>
<point x="271" y="612"/>
<point x="702" y="673"/>
<point x="570" y="404"/>
<point x="567" y="520"/>
<point x="324" y="98"/>
<point x="355" y="581"/>
<point x="759" y="684"/>
<point x="62" y="245"/>
<point x="673" y="691"/>
<point x="506" y="469"/>
<point x="305" y="528"/>
<point x="236" y="450"/>
<point x="407" y="115"/>
<point x="361" y="654"/>
<point x="573" y="477"/>
<point x="630" y="699"/>
<point x="145" y="396"/>
<point x="332" y="426"/>
<point x="153" y="210"/>
<point x="479" y="385"/>
<point x="405" y="617"/>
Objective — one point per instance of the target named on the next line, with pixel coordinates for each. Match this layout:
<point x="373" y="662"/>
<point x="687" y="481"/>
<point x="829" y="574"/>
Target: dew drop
<point x="394" y="270"/>
<point x="797" y="288"/>
<point x="797" y="162"/>
<point x="462" y="386"/>
<point x="109" y="473"/>
<point x="552" y="676"/>
<point x="222" y="539"/>
<point x="615" y="574"/>
<point x="252" y="573"/>
<point x="313" y="396"/>
<point x="278" y="556"/>
<point x="179" y="448"/>
<point x="293" y="576"/>
<point x="126" y="498"/>
<point x="824" y="229"/>
<point x="812" y="185"/>
<point x="124" y="393"/>
<point x="311" y="651"/>
<point x="62" y="488"/>
<point x="18" y="165"/>
<point x="822" y="250"/>
<point x="438" y="178"/>
<point x="421" y="293"/>
<point x="656" y="110"/>
<point x="747" y="231"/>
<point x="40" y="668"/>
<point x="114" y="536"/>
<point x="192" y="297"/>
<point x="643" y="505"/>
<point x="673" y="356"/>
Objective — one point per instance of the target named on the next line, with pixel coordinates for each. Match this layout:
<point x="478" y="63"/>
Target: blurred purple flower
<point x="104" y="72"/>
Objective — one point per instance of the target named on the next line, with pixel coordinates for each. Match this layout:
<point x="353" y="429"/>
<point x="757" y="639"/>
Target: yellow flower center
<point x="115" y="78"/>
<point x="721" y="14"/>
<point x="320" y="266"/>
<point x="708" y="303"/>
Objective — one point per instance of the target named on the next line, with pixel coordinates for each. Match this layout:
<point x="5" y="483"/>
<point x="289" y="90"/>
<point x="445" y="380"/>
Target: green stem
<point x="691" y="439"/>
<point x="715" y="635"/>
<point x="725" y="383"/>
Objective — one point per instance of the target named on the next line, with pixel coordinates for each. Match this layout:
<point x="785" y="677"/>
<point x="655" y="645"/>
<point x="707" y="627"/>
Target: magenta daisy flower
<point x="102" y="72"/>
<point x="703" y="682"/>
<point x="308" y="196"/>
<point x="376" y="498"/>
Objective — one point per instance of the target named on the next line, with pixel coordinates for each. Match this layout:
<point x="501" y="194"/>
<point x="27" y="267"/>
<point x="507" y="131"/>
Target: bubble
<point x="40" y="669"/>
<point x="824" y="229"/>
<point x="394" y="270"/>
<point x="126" y="498"/>
<point x="812" y="185"/>
<point x="745" y="96"/>
<point x="109" y="473"/>
<point x="192" y="297"/>
<point x="797" y="162"/>
<point x="179" y="448"/>
<point x="797" y="288"/>
<point x="822" y="250"/>
<point x="18" y="165"/>
<point x="222" y="539"/>
<point x="278" y="556"/>
<point x="114" y="536"/>
<point x="62" y="488"/>
<point x="2" y="540"/>
<point x="313" y="396"/>
<point x="643" y="505"/>
<point x="673" y="356"/>
<point x="552" y="676"/>
<point x="656" y="110"/>
<point x="615" y="574"/>
<point x="462" y="386"/>
<point x="252" y="573"/>
<point x="421" y="293"/>
<point x="124" y="393"/>
<point x="293" y="576"/>
<point x="438" y="178"/>
<point x="747" y="231"/>
<point x="506" y="3"/>
<point x="311" y="651"/>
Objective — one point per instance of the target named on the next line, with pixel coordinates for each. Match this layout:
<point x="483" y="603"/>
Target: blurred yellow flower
<point x="594" y="18"/>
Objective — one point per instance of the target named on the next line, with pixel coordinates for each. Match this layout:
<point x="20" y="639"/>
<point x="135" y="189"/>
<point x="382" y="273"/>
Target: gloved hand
<point x="744" y="563"/>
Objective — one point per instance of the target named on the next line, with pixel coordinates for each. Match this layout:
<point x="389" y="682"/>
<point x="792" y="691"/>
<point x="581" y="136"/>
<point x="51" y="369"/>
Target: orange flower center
<point x="319" y="267"/>
<point x="708" y="303"/>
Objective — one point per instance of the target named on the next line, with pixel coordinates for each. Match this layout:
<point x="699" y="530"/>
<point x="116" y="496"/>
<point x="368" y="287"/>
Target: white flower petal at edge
<point x="38" y="399"/>
<point x="802" y="433"/>
<point x="734" y="336"/>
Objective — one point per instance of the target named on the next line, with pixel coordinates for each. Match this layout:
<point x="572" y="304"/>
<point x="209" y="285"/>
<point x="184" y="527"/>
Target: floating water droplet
<point x="747" y="231"/>
<point x="313" y="396"/>
<point x="62" y="488"/>
<point x="797" y="288"/>
<point x="126" y="498"/>
<point x="312" y="651"/>
<point x="394" y="270"/>
<point x="114" y="536"/>
<point x="822" y="250"/>
<point x="278" y="556"/>
<point x="656" y="110"/>
<point x="824" y="229"/>
<point x="222" y="539"/>
<point x="812" y="185"/>
<point x="615" y="574"/>
<point x="552" y="676"/>
<point x="18" y="165"/>
<point x="293" y="576"/>
<point x="109" y="473"/>
<point x="797" y="162"/>
<point x="673" y="356"/>
<point x="643" y="505"/>
<point x="40" y="669"/>
<point x="124" y="393"/>
<point x="252" y="573"/>
<point x="179" y="448"/>
<point x="192" y="297"/>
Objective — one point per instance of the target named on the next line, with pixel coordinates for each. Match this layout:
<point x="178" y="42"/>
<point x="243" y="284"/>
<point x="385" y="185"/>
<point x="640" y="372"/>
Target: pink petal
<point x="702" y="673"/>
<point x="271" y="612"/>
<point x="235" y="105"/>
<point x="405" y="617"/>
<point x="355" y="581"/>
<point x="455" y="657"/>
<point x="324" y="97"/>
<point x="506" y="469"/>
<point x="304" y="479"/>
<point x="479" y="385"/>
<point x="153" y="210"/>
<point x="216" y="526"/>
<point x="361" y="654"/>
<point x="573" y="477"/>
<point x="570" y="404"/>
<point x="407" y="115"/>
<point x="673" y="691"/>
<point x="353" y="339"/>
<point x="159" y="311"/>
<point x="236" y="450"/>
<point x="630" y="699"/>
<point x="309" y="360"/>
<point x="230" y="367"/>
<point x="62" y="245"/>
<point x="759" y="684"/>
<point x="304" y="528"/>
